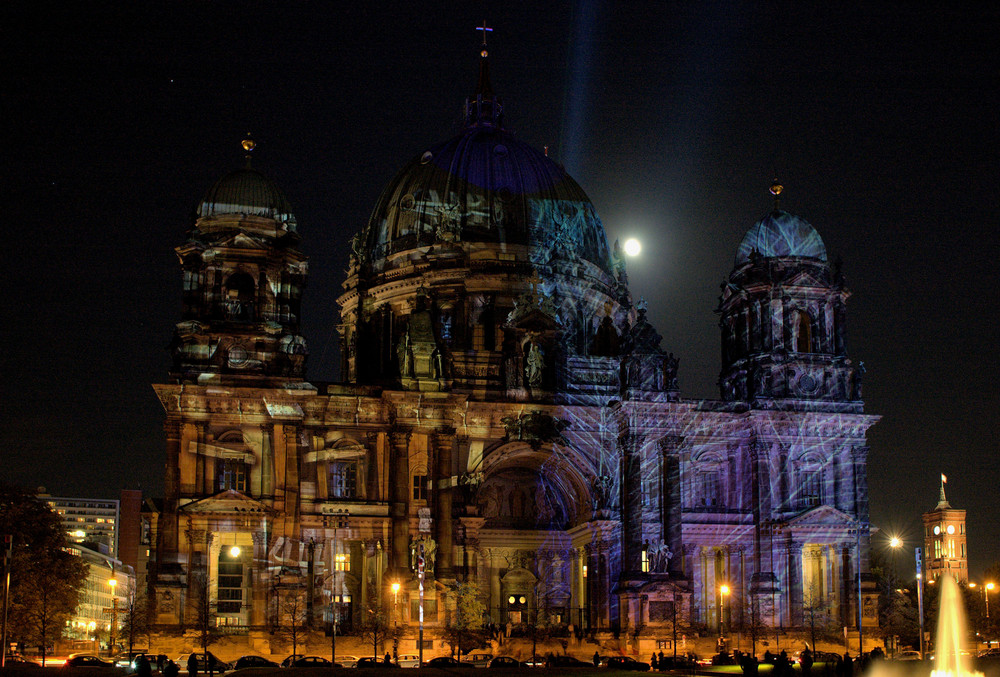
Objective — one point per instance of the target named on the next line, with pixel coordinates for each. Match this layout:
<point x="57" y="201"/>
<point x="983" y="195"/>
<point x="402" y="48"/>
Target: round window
<point x="426" y="157"/>
<point x="951" y="528"/>
<point x="407" y="202"/>
<point x="511" y="599"/>
<point x="521" y="599"/>
<point x="937" y="531"/>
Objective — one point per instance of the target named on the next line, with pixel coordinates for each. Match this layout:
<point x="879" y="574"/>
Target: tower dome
<point x="247" y="191"/>
<point x="779" y="235"/>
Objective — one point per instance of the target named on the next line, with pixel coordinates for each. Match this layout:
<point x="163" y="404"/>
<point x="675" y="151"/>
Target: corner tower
<point x="783" y="315"/>
<point x="243" y="282"/>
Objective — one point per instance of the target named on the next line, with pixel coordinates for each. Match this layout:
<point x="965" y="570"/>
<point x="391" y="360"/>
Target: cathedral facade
<point x="507" y="418"/>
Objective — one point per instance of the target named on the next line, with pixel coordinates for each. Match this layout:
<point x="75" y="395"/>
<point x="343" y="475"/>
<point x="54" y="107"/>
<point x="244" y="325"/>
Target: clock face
<point x="951" y="528"/>
<point x="937" y="531"/>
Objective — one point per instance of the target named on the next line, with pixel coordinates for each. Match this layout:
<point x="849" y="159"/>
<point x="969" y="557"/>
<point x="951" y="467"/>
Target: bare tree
<point x="374" y="626"/>
<point x="204" y="617"/>
<point x="293" y="617"/>
<point x="135" y="617"/>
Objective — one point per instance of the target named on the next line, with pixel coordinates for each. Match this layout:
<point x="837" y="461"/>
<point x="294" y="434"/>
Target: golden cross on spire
<point x="485" y="29"/>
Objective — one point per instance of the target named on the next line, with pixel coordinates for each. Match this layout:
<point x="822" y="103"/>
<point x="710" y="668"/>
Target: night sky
<point x="881" y="122"/>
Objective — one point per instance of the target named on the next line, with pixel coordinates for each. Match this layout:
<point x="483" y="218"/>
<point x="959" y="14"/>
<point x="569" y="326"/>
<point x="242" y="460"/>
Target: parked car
<point x="567" y="662"/>
<point x="627" y="663"/>
<point x="311" y="662"/>
<point x="21" y="662"/>
<point x="506" y="662"/>
<point x="372" y="662"/>
<point x="347" y="661"/>
<point x="677" y="663"/>
<point x="87" y="660"/>
<point x="252" y="661"/>
<point x="154" y="661"/>
<point x="408" y="660"/>
<point x="287" y="663"/>
<point x="442" y="662"/>
<point x="206" y="661"/>
<point x="478" y="660"/>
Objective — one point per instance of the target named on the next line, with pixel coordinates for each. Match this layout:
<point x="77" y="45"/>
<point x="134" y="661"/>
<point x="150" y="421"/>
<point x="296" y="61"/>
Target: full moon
<point x="632" y="247"/>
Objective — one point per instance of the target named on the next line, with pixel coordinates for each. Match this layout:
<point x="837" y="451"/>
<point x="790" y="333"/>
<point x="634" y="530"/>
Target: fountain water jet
<point x="951" y="633"/>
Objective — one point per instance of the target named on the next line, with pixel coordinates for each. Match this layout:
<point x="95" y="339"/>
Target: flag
<point x="944" y="479"/>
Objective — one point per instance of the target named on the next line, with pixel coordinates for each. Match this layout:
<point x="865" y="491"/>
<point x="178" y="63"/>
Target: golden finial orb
<point x="249" y="144"/>
<point x="484" y="54"/>
<point x="776" y="188"/>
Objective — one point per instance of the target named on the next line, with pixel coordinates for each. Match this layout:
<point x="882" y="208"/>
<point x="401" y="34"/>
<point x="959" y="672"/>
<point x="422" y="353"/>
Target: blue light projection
<point x="781" y="234"/>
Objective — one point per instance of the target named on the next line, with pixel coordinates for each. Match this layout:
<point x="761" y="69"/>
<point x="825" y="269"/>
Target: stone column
<point x="760" y="504"/>
<point x="670" y="501"/>
<point x="167" y="535"/>
<point x="631" y="502"/>
<point x="794" y="592"/>
<point x="399" y="497"/>
<point x="444" y="443"/>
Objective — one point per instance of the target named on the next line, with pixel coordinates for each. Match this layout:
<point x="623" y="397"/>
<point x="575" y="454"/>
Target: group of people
<point x="843" y="666"/>
<point x="165" y="666"/>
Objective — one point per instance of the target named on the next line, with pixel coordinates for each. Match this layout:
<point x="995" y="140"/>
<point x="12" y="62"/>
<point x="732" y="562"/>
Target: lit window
<point x="645" y="560"/>
<point x="231" y="473"/>
<point x="342" y="562"/>
<point x="584" y="570"/>
<point x="343" y="479"/>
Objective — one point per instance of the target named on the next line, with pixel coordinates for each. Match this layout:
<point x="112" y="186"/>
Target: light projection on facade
<point x="506" y="406"/>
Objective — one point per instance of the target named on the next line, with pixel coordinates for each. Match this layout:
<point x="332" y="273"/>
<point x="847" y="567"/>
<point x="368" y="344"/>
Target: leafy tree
<point x="45" y="579"/>
<point x="464" y="628"/>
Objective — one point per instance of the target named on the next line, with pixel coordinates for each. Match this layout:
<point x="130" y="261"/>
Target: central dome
<point x="483" y="185"/>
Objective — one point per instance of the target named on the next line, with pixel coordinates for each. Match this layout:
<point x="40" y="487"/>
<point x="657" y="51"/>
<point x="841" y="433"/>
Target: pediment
<point x="227" y="502"/>
<point x="242" y="241"/>
<point x="534" y="319"/>
<point x="804" y="278"/>
<point x="822" y="516"/>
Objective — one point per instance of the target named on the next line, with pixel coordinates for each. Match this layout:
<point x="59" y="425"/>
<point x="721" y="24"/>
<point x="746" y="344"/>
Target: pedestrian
<point x="661" y="663"/>
<point x="192" y="665"/>
<point x="847" y="666"/>
<point x="597" y="659"/>
<point x="170" y="669"/>
<point x="653" y="664"/>
<point x="142" y="667"/>
<point x="388" y="659"/>
<point x="806" y="661"/>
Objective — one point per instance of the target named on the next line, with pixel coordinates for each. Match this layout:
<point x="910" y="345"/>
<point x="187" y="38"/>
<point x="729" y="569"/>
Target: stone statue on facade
<point x="536" y="363"/>
<point x="857" y="375"/>
<point x="404" y="354"/>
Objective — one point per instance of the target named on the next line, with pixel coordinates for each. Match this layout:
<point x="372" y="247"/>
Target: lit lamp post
<point x="114" y="617"/>
<point x="723" y="593"/>
<point x="986" y="594"/>
<point x="395" y="602"/>
<point x="339" y="520"/>
<point x="895" y="543"/>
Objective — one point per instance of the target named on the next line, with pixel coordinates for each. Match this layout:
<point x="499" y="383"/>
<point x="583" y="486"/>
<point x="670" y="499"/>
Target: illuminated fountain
<point x="951" y="633"/>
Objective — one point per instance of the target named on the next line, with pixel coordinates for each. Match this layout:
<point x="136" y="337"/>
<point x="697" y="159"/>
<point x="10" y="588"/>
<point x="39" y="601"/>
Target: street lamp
<point x="339" y="520"/>
<point x="114" y="617"/>
<point x="986" y="593"/>
<point x="723" y="592"/>
<point x="395" y="601"/>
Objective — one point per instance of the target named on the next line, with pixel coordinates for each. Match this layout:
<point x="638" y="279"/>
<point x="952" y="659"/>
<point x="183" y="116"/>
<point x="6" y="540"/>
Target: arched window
<point x="803" y="332"/>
